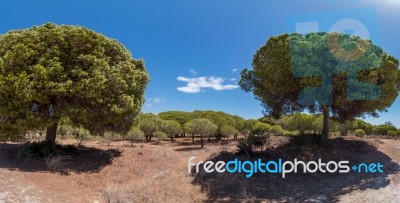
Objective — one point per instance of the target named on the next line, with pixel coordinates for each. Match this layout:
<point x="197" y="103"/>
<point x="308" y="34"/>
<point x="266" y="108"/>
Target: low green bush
<point x="277" y="130"/>
<point x="251" y="143"/>
<point x="40" y="150"/>
<point x="290" y="133"/>
<point x="81" y="134"/>
<point x="392" y="133"/>
<point x="359" y="133"/>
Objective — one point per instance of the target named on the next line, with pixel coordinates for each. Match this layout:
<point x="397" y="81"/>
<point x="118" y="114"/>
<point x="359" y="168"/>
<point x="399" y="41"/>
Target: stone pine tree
<point x="339" y="75"/>
<point x="149" y="126"/>
<point x="202" y="127"/>
<point x="227" y="131"/>
<point x="181" y="117"/>
<point x="171" y="128"/>
<point x="48" y="72"/>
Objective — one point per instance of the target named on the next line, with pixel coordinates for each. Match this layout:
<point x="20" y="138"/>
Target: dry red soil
<point x="158" y="173"/>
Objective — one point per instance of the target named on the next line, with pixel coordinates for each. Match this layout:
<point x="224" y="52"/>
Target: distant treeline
<point x="298" y="123"/>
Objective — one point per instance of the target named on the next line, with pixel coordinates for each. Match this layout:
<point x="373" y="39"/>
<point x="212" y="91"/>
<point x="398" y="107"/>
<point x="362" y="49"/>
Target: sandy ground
<point x="145" y="173"/>
<point x="389" y="193"/>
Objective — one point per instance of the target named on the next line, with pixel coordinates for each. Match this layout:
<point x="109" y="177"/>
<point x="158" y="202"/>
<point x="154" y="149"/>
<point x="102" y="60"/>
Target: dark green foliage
<point x="149" y="124"/>
<point x="359" y="133"/>
<point x="251" y="143"/>
<point x="220" y="119"/>
<point x="277" y="130"/>
<point x="383" y="129"/>
<point x="40" y="150"/>
<point x="300" y="122"/>
<point x="171" y="128"/>
<point x="107" y="155"/>
<point x="256" y="140"/>
<point x="181" y="117"/>
<point x="379" y="130"/>
<point x="134" y="134"/>
<point x="81" y="134"/>
<point x="306" y="139"/>
<point x="360" y="124"/>
<point x="228" y="130"/>
<point x="392" y="133"/>
<point x="261" y="129"/>
<point x="202" y="127"/>
<point x="345" y="126"/>
<point x="50" y="71"/>
<point x="273" y="81"/>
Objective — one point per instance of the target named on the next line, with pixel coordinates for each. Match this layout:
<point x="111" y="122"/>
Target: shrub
<point x="135" y="134"/>
<point x="106" y="155"/>
<point x="277" y="130"/>
<point x="252" y="142"/>
<point x="359" y="133"/>
<point x="110" y="136"/>
<point x="261" y="129"/>
<point x="37" y="150"/>
<point x="392" y="133"/>
<point x="245" y="132"/>
<point x="40" y="150"/>
<point x="160" y="135"/>
<point x="64" y="130"/>
<point x="81" y="134"/>
<point x="227" y="131"/>
<point x="290" y="133"/>
<point x="171" y="128"/>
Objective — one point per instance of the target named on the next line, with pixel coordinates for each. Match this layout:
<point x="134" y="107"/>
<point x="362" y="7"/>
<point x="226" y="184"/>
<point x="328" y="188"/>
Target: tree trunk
<point x="325" y="129"/>
<point x="172" y="139"/>
<point x="51" y="133"/>
<point x="202" y="146"/>
<point x="209" y="138"/>
<point x="192" y="139"/>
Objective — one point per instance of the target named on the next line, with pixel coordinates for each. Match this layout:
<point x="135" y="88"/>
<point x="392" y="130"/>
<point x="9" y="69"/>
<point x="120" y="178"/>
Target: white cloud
<point x="192" y="71"/>
<point x="234" y="70"/>
<point x="151" y="101"/>
<point x="232" y="79"/>
<point x="196" y="85"/>
<point x="157" y="99"/>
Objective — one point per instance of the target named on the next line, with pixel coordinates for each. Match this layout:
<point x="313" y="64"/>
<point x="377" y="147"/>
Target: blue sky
<point x="194" y="50"/>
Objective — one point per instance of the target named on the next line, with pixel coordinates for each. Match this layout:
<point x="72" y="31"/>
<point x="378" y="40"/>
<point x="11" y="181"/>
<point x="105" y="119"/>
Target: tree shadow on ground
<point x="186" y="141"/>
<point x="317" y="187"/>
<point x="81" y="160"/>
<point x="183" y="149"/>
